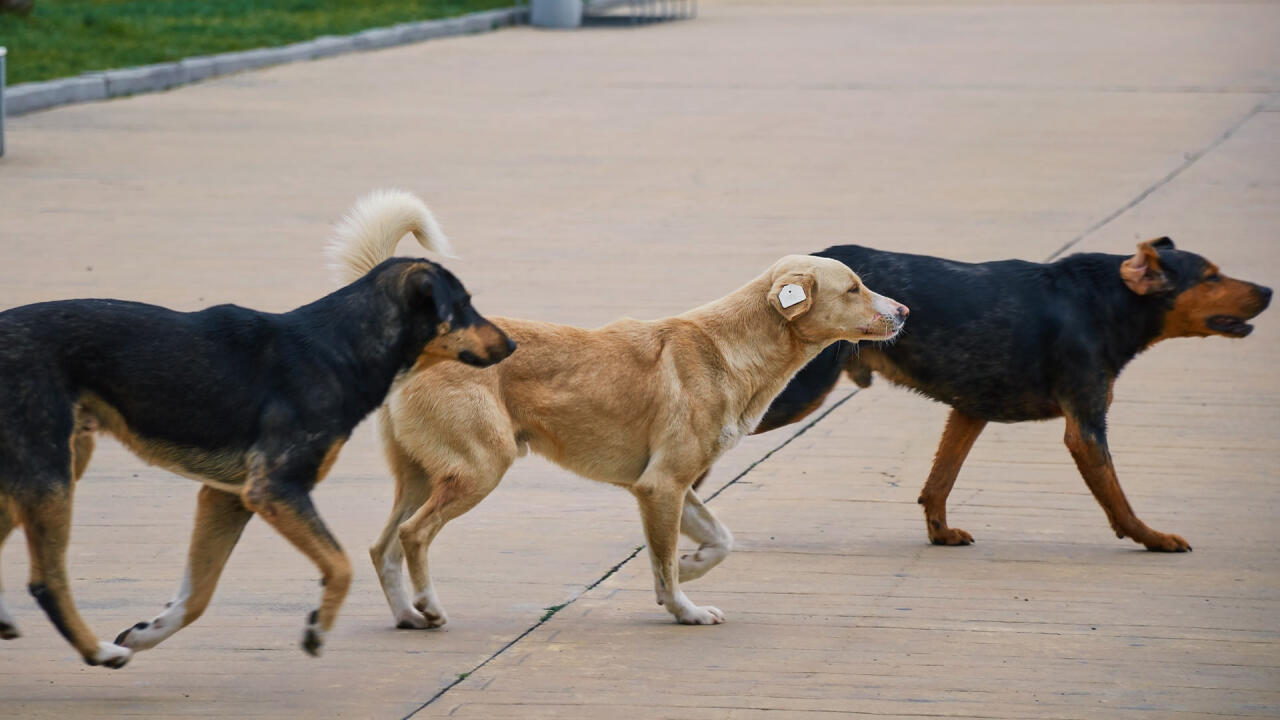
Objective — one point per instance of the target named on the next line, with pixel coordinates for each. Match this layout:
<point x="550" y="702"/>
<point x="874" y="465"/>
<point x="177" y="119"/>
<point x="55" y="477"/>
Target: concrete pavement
<point x="592" y="174"/>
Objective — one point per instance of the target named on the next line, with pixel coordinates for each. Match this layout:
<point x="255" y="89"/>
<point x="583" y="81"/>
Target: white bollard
<point x="555" y="13"/>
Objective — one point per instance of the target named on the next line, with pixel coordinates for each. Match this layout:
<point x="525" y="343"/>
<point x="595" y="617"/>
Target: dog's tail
<point x="370" y="232"/>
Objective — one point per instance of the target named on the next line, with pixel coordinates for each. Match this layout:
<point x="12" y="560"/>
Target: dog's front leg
<point x="1087" y="441"/>
<point x="278" y="489"/>
<point x="8" y="627"/>
<point x="713" y="538"/>
<point x="661" y="498"/>
<point x="957" y="439"/>
<point x="220" y="518"/>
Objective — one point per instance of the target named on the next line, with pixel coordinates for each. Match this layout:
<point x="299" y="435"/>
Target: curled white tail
<point x="370" y="232"/>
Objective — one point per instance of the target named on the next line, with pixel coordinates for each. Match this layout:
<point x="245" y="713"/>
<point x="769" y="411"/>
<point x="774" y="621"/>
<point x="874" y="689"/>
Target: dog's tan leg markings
<point x="287" y="507"/>
<point x="220" y="518"/>
<point x="957" y="439"/>
<point x="8" y="627"/>
<point x="1093" y="458"/>
<point x="713" y="538"/>
<point x="82" y="444"/>
<point x="661" y="498"/>
<point x="48" y="526"/>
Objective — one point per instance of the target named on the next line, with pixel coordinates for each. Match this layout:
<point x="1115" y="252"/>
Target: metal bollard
<point x="2" y="54"/>
<point x="555" y="13"/>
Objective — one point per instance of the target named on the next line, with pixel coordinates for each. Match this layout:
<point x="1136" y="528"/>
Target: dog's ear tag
<point x="790" y="295"/>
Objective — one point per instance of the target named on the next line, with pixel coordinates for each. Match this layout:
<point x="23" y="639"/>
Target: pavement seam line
<point x="1188" y="161"/>
<point x="552" y="613"/>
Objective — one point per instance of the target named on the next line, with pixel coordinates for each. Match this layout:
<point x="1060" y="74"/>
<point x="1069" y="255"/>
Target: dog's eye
<point x="1213" y="278"/>
<point x="854" y="290"/>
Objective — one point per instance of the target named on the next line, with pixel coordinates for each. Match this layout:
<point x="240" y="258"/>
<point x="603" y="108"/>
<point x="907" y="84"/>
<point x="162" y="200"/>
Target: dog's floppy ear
<point x="792" y="293"/>
<point x="1142" y="272"/>
<point x="424" y="289"/>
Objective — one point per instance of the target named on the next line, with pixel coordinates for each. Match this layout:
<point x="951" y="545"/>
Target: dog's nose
<point x="903" y="312"/>
<point x="1265" y="294"/>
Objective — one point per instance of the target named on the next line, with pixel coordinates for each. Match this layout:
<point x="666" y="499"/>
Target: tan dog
<point x="648" y="406"/>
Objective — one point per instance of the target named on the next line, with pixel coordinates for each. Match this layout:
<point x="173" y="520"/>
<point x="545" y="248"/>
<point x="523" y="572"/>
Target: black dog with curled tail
<point x="254" y="405"/>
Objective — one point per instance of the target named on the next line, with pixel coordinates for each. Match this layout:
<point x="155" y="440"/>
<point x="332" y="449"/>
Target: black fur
<point x="1004" y="341"/>
<point x="206" y="380"/>
<point x="1010" y="341"/>
<point x="223" y="392"/>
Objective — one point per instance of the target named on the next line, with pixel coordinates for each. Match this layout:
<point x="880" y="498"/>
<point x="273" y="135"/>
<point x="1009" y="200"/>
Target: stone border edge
<point x="33" y="96"/>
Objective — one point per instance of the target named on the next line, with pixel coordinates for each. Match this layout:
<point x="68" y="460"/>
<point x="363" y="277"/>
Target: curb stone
<point x="33" y="96"/>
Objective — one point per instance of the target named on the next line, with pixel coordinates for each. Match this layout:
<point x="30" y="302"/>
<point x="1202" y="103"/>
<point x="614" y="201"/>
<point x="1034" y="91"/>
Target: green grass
<point x="67" y="37"/>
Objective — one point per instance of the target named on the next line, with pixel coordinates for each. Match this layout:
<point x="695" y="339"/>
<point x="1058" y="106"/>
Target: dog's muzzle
<point x="494" y="353"/>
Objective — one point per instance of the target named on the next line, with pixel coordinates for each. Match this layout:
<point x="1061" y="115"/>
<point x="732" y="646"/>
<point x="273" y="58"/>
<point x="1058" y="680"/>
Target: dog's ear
<point x="792" y="293"/>
<point x="1142" y="272"/>
<point x="1162" y="243"/>
<point x="423" y="289"/>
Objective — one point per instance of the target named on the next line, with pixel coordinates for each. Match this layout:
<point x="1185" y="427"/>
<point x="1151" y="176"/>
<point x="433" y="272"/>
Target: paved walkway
<point x="615" y="171"/>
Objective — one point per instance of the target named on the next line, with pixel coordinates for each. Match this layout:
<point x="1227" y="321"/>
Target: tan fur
<point x="957" y="439"/>
<point x="1192" y="309"/>
<point x="222" y="470"/>
<point x="648" y="406"/>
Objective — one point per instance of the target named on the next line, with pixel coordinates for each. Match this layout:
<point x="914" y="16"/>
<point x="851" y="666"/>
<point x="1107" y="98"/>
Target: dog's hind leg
<point x="661" y="498"/>
<point x="220" y="518"/>
<point x="387" y="554"/>
<point x="1087" y="442"/>
<point x="452" y="494"/>
<point x="8" y="627"/>
<point x="47" y="520"/>
<point x="713" y="538"/>
<point x="957" y="439"/>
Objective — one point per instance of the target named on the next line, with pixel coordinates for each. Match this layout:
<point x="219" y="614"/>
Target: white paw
<point x="431" y="611"/>
<point x="111" y="655"/>
<point x="705" y="615"/>
<point x="411" y="619"/>
<point x="8" y="627"/>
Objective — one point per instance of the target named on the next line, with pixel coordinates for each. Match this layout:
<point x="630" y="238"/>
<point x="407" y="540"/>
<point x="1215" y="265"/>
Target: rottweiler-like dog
<point x="252" y="404"/>
<point x="1010" y="341"/>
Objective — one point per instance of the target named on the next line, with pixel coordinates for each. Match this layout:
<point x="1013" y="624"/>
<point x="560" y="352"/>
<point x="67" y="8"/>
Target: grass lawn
<point x="68" y="37"/>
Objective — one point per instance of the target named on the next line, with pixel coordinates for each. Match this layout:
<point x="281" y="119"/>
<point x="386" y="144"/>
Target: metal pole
<point x="2" y="54"/>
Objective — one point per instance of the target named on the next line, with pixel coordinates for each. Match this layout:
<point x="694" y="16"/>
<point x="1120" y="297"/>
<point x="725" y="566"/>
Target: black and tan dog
<point x="1012" y="341"/>
<point x="254" y="405"/>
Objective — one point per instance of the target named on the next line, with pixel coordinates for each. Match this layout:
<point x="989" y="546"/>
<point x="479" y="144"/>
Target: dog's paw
<point x="432" y="614"/>
<point x="110" y="655"/>
<point x="705" y="615"/>
<point x="313" y="635"/>
<point x="1161" y="542"/>
<point x="414" y="619"/>
<point x="950" y="536"/>
<point x="8" y="626"/>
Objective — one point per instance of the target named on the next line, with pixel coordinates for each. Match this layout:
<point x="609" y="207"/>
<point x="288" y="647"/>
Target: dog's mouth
<point x="881" y="329"/>
<point x="1229" y="325"/>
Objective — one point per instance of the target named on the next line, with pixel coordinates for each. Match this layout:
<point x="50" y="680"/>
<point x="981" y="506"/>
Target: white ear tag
<point x="790" y="295"/>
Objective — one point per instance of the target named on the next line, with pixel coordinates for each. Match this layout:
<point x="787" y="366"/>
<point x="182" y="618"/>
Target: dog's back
<point x="990" y="339"/>
<point x="560" y="395"/>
